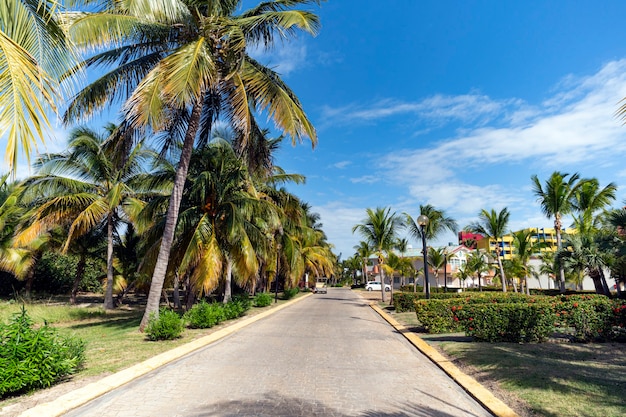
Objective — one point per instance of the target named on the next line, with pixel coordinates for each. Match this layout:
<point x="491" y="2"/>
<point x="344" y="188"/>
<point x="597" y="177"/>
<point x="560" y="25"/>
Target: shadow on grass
<point x="586" y="374"/>
<point x="117" y="321"/>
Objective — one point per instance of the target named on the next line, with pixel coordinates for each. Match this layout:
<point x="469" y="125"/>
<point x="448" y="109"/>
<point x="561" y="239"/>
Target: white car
<point x="375" y="286"/>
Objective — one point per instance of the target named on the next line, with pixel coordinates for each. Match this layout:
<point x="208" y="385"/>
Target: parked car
<point x="375" y="286"/>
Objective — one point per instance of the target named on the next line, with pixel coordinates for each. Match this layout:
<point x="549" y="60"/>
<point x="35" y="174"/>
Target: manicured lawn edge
<point x="469" y="384"/>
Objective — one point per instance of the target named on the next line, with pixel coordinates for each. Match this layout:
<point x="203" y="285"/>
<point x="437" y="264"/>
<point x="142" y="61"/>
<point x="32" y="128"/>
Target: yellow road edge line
<point x="481" y="394"/>
<point x="81" y="396"/>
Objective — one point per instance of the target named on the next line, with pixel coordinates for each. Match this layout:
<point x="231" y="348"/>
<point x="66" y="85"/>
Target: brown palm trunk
<point x="160" y="269"/>
<point x="502" y="276"/>
<point x="80" y="271"/>
<point x="557" y="230"/>
<point x="108" y="295"/>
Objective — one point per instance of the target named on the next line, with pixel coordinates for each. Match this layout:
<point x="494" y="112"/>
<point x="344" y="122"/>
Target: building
<point x="546" y="235"/>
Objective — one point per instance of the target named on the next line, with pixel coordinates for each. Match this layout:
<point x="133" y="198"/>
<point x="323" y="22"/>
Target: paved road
<point x="328" y="355"/>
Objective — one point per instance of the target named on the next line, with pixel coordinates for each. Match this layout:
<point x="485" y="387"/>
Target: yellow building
<point x="547" y="235"/>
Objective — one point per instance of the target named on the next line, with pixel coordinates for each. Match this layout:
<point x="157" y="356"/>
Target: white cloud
<point x="284" y="60"/>
<point x="342" y="164"/>
<point x="367" y="179"/>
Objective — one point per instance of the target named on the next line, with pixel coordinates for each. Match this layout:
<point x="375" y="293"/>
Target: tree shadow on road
<point x="278" y="405"/>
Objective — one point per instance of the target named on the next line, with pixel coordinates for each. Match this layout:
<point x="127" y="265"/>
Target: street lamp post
<point x="422" y="221"/>
<point x="445" y="269"/>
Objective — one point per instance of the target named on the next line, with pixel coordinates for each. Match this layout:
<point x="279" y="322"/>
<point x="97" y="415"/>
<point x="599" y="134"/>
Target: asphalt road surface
<point x="327" y="355"/>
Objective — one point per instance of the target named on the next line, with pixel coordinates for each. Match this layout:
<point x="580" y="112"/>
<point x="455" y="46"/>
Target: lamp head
<point x="422" y="220"/>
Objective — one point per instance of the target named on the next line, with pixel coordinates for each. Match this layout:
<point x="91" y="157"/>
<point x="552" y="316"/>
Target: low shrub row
<point x="203" y="315"/>
<point x="33" y="357"/>
<point x="519" y="318"/>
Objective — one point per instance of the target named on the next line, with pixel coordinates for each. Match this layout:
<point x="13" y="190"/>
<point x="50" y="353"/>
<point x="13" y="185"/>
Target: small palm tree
<point x="87" y="187"/>
<point x="493" y="225"/>
<point x="363" y="252"/>
<point x="477" y="266"/>
<point x="379" y="230"/>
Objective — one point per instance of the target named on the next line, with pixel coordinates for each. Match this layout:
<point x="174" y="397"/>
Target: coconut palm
<point x="363" y="252"/>
<point x="86" y="189"/>
<point x="582" y="253"/>
<point x="477" y="266"/>
<point x="436" y="259"/>
<point x="34" y="53"/>
<point x="379" y="230"/>
<point x="493" y="225"/>
<point x="438" y="222"/>
<point x="402" y="245"/>
<point x="556" y="200"/>
<point x="183" y="80"/>
<point x="524" y="246"/>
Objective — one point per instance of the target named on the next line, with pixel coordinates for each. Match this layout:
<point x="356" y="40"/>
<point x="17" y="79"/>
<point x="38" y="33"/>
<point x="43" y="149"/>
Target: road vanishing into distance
<point x="327" y="355"/>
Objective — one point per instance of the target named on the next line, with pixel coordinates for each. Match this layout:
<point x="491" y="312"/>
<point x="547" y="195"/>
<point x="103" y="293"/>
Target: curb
<point x="81" y="396"/>
<point x="469" y="384"/>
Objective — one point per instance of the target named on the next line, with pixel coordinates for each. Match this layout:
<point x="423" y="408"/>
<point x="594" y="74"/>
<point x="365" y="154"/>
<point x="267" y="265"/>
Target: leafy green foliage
<point x="262" y="299"/>
<point x="512" y="322"/>
<point x="167" y="326"/>
<point x="205" y="315"/>
<point x="289" y="293"/>
<point x="35" y="357"/>
<point x="437" y="316"/>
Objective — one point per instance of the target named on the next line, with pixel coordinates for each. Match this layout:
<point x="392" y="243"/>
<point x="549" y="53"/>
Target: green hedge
<point x="507" y="322"/>
<point x="437" y="316"/>
<point x="35" y="357"/>
<point x="168" y="326"/>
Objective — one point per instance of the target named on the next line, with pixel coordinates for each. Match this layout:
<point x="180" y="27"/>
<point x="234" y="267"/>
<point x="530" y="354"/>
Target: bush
<point x="437" y="316"/>
<point x="244" y="300"/>
<point x="507" y="322"/>
<point x="590" y="317"/>
<point x="289" y="293"/>
<point x="35" y="358"/>
<point x="205" y="315"/>
<point x="167" y="326"/>
<point x="262" y="299"/>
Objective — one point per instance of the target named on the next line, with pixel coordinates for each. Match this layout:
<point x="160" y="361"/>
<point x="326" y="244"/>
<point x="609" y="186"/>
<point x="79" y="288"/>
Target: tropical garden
<point x="177" y="199"/>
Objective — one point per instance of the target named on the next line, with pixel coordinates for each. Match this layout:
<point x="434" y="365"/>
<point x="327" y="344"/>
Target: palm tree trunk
<point x="502" y="276"/>
<point x="160" y="269"/>
<point x="557" y="230"/>
<point x="80" y="271"/>
<point x="382" y="283"/>
<point x="228" y="281"/>
<point x="176" y="294"/>
<point x="108" y="295"/>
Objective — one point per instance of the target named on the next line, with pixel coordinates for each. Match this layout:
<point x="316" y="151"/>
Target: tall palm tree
<point x="493" y="225"/>
<point x="583" y="253"/>
<point x="438" y="222"/>
<point x="556" y="200"/>
<point x="379" y="229"/>
<point x="34" y="53"/>
<point x="86" y="188"/>
<point x="183" y="80"/>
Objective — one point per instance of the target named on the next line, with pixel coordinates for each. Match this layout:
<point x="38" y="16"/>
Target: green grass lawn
<point x="554" y="379"/>
<point x="113" y="338"/>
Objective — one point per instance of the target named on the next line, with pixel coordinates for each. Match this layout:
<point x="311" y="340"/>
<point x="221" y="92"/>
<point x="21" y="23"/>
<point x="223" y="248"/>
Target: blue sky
<point x="454" y="104"/>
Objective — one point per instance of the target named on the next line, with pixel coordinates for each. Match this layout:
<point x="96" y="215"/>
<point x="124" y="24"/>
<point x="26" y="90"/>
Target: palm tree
<point x="34" y="53"/>
<point x="86" y="188"/>
<point x="556" y="200"/>
<point x="477" y="266"/>
<point x="183" y="80"/>
<point x="583" y="253"/>
<point x="436" y="259"/>
<point x="379" y="230"/>
<point x="493" y="225"/>
<point x="402" y="245"/>
<point x="523" y="248"/>
<point x="363" y="252"/>
<point x="438" y="222"/>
